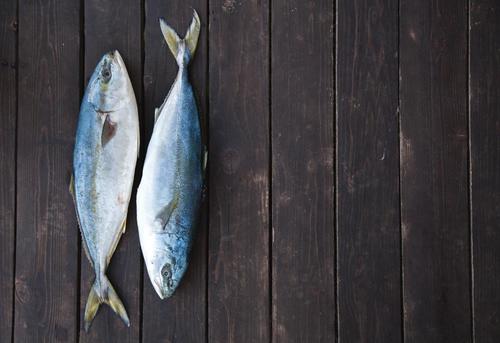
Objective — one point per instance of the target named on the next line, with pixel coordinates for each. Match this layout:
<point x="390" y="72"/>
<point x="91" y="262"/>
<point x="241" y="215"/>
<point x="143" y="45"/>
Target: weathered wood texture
<point x="181" y="318"/>
<point x="238" y="269"/>
<point x="434" y="171"/>
<point x="484" y="94"/>
<point x="330" y="216"/>
<point x="46" y="282"/>
<point x="115" y="25"/>
<point x="368" y="238"/>
<point x="303" y="189"/>
<point x="8" y="108"/>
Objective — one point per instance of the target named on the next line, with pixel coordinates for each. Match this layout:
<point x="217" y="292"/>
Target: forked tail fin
<point x="179" y="46"/>
<point x="108" y="296"/>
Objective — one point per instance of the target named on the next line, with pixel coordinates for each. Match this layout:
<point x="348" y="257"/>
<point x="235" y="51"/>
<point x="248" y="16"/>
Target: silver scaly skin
<point x="104" y="159"/>
<point x="169" y="194"/>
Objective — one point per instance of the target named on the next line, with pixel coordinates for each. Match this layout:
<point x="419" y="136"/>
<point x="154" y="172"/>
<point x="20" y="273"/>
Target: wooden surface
<point x="303" y="186"/>
<point x="434" y="171"/>
<point x="8" y="105"/>
<point x="484" y="119"/>
<point x="353" y="175"/>
<point x="238" y="245"/>
<point x="46" y="268"/>
<point x="368" y="227"/>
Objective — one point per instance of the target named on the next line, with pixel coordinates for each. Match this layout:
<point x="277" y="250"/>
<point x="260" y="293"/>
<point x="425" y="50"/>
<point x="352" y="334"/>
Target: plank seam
<point x="336" y="182"/>
<point x="401" y="245"/>
<point x="143" y="134"/>
<point x="15" y="175"/>
<point x="207" y="170"/>
<point x="270" y="172"/>
<point x="469" y="174"/>
<point x="79" y="238"/>
<point x="335" y="171"/>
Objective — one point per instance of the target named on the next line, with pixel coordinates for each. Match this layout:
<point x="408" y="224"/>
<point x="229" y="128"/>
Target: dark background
<point x="354" y="170"/>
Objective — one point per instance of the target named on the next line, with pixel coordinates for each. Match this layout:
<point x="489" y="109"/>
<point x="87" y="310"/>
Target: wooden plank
<point x="181" y="318"/>
<point x="238" y="269"/>
<point x="111" y="25"/>
<point x="434" y="168"/>
<point x="303" y="180"/>
<point x="484" y="94"/>
<point x="47" y="236"/>
<point x="368" y="172"/>
<point x="8" y="39"/>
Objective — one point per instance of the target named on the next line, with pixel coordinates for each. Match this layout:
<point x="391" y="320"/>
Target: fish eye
<point x="106" y="74"/>
<point x="166" y="271"/>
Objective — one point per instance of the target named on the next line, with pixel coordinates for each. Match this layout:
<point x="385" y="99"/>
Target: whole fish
<point x="106" y="148"/>
<point x="169" y="194"/>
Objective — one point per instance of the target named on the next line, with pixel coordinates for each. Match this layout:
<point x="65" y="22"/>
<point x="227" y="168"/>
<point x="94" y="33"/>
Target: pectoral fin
<point x="166" y="212"/>
<point x="108" y="130"/>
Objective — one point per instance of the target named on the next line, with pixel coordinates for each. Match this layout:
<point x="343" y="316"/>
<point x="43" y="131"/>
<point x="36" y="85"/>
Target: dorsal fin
<point x="157" y="111"/>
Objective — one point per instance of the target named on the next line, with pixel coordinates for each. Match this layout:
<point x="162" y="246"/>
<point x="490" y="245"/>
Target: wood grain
<point x="303" y="188"/>
<point x="47" y="236"/>
<point x="484" y="94"/>
<point x="369" y="280"/>
<point x="116" y="25"/>
<point x="434" y="168"/>
<point x="8" y="106"/>
<point x="181" y="318"/>
<point x="238" y="274"/>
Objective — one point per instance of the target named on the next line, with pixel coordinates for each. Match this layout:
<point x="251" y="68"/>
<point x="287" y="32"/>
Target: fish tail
<point x="107" y="295"/>
<point x="190" y="39"/>
<point x="93" y="303"/>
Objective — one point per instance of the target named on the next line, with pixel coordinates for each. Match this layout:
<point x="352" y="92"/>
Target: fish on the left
<point x="104" y="159"/>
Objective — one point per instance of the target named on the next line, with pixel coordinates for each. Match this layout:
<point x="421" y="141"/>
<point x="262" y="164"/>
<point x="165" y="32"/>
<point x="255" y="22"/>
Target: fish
<point x="104" y="159"/>
<point x="170" y="191"/>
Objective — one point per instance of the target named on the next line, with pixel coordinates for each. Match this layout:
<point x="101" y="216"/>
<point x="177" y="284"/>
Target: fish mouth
<point x="117" y="57"/>
<point x="162" y="292"/>
<point x="114" y="57"/>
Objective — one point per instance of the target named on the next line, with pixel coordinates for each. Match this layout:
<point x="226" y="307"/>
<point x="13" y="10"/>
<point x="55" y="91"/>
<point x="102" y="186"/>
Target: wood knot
<point x="23" y="293"/>
<point x="230" y="161"/>
<point x="13" y="25"/>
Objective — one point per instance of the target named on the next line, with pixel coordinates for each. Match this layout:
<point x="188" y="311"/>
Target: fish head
<point x="167" y="271"/>
<point x="109" y="83"/>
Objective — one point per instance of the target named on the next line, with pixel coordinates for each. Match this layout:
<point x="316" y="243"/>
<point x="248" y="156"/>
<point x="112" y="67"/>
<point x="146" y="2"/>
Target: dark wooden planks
<point x="303" y="183"/>
<point x="116" y="25"/>
<point x="484" y="93"/>
<point x="434" y="168"/>
<point x="8" y="35"/>
<point x="369" y="280"/>
<point x="47" y="237"/>
<point x="238" y="276"/>
<point x="181" y="318"/>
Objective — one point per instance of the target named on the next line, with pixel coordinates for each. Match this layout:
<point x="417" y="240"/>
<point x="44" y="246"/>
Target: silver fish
<point x="169" y="194"/>
<point x="106" y="149"/>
